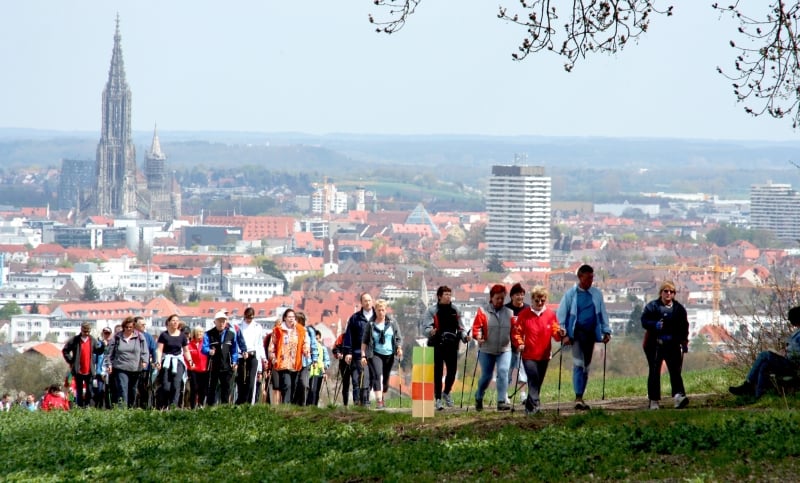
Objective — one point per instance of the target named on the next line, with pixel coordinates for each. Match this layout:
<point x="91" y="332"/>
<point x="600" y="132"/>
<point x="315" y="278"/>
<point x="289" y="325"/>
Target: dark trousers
<point x="359" y="376"/>
<point x="287" y="385"/>
<point x="102" y="394"/>
<point x="198" y="388"/>
<point x="125" y="383"/>
<point x="344" y="375"/>
<point x="535" y="370"/>
<point x="83" y="389"/>
<point x="246" y="380"/>
<point x="444" y="356"/>
<point x="670" y="353"/>
<point x="314" y="386"/>
<point x="221" y="380"/>
<point x="765" y="364"/>
<point x="380" y="368"/>
<point x="301" y="389"/>
<point x="169" y="394"/>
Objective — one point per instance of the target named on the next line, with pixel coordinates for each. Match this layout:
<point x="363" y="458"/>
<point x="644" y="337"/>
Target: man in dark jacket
<point x="351" y="348"/>
<point x="79" y="352"/>
<point x="221" y="346"/>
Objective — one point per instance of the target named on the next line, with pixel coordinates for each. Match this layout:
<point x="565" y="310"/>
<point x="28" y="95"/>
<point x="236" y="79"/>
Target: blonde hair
<point x="666" y="284"/>
<point x="380" y="304"/>
<point x="197" y="331"/>
<point x="539" y="291"/>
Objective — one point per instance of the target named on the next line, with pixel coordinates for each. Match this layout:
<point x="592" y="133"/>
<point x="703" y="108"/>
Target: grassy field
<point x="717" y="438"/>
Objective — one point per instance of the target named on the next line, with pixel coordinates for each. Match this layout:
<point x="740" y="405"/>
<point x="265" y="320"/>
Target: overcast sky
<point x="318" y="67"/>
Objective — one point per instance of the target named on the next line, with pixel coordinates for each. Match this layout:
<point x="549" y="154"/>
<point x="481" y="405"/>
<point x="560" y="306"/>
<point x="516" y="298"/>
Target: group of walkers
<point x="288" y="363"/>
<point x="225" y="364"/>
<point x="517" y="336"/>
<point x="372" y="338"/>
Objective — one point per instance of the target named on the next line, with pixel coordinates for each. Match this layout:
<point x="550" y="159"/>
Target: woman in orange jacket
<point x="287" y="346"/>
<point x="532" y="334"/>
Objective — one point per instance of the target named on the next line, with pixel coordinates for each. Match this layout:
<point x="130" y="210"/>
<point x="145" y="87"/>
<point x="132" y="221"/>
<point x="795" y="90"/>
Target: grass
<point x="713" y="440"/>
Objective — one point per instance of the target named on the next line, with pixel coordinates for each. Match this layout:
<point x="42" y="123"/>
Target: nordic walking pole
<point x="474" y="372"/>
<point x="400" y="374"/>
<point x="464" y="374"/>
<point x="516" y="384"/>
<point x="558" y="399"/>
<point x="605" y="353"/>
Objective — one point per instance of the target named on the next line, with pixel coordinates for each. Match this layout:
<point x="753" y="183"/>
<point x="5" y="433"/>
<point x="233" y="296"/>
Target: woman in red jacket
<point x="54" y="399"/>
<point x="198" y="374"/>
<point x="532" y="335"/>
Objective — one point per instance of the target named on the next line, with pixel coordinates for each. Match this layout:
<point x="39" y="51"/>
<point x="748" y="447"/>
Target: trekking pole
<point x="605" y="353"/>
<point x="474" y="372"/>
<point x="400" y="373"/>
<point x="516" y="383"/>
<point x="361" y="387"/>
<point x="464" y="374"/>
<point x="558" y="399"/>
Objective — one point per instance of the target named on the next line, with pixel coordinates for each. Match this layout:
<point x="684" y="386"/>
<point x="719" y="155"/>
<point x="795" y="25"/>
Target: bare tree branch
<point x="399" y="11"/>
<point x="767" y="69"/>
<point x="592" y="26"/>
<point x="766" y="72"/>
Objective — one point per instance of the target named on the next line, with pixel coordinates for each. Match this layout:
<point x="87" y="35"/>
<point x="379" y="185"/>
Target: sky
<point x="318" y="67"/>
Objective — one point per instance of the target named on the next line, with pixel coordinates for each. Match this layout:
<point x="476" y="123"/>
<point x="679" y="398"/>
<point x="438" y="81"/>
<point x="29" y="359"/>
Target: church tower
<point x="159" y="186"/>
<point x="115" y="192"/>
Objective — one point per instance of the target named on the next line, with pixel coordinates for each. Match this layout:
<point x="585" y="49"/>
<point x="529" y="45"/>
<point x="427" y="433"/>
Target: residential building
<point x="518" y="205"/>
<point x="775" y="207"/>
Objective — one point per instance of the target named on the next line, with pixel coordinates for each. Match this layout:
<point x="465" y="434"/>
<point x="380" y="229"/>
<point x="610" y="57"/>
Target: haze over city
<point x="320" y="68"/>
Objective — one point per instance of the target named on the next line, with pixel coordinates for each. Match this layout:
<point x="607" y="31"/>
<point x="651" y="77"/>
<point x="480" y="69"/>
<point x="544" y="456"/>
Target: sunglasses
<point x="666" y="290"/>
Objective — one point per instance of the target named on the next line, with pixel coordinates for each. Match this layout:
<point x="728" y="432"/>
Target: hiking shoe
<point x="744" y="389"/>
<point x="654" y="405"/>
<point x="380" y="405"/>
<point x="503" y="406"/>
<point x="439" y="405"/>
<point x="580" y="405"/>
<point x="533" y="412"/>
<point x="681" y="401"/>
<point x="479" y="404"/>
<point x="448" y="400"/>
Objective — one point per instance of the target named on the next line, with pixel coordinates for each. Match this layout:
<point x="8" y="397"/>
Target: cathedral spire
<point x="155" y="148"/>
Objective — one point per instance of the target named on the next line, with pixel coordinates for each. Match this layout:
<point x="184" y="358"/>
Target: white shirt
<point x="253" y="335"/>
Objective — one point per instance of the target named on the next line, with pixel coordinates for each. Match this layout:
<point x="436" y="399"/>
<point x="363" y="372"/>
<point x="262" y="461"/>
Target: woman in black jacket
<point x="666" y="340"/>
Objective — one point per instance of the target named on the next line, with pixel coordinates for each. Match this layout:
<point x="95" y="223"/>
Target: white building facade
<point x="518" y="206"/>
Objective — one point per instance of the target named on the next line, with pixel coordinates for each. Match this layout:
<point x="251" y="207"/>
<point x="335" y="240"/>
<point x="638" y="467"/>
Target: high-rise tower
<point x="115" y="192"/>
<point x="518" y="206"/>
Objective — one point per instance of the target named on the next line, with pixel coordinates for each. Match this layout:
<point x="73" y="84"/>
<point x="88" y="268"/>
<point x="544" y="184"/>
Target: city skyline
<point x="272" y="67"/>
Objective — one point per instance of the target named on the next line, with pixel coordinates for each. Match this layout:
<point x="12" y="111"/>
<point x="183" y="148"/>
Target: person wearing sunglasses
<point x="666" y="340"/>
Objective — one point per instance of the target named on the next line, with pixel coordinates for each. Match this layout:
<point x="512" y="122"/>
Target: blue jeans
<point x="582" y="351"/>
<point x="765" y="364"/>
<point x="125" y="383"/>
<point x="488" y="362"/>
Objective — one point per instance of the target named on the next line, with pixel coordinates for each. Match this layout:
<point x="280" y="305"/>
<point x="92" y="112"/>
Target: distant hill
<point x="585" y="166"/>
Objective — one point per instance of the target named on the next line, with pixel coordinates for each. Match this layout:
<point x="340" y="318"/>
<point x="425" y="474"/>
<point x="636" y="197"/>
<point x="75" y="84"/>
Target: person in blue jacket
<point x="582" y="313"/>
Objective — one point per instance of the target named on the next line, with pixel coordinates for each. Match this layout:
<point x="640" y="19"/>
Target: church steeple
<point x="115" y="192"/>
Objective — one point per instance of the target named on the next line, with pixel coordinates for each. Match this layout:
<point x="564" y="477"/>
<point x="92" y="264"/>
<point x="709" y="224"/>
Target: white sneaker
<point x="681" y="401"/>
<point x="654" y="405"/>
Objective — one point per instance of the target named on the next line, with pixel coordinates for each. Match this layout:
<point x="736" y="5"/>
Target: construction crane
<point x="716" y="288"/>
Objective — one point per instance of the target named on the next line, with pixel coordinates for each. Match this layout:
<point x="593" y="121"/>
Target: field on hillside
<point x="718" y="438"/>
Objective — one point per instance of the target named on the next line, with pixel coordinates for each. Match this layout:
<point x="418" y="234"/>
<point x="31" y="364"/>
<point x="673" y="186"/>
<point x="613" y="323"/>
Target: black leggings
<point x="380" y="367"/>
<point x="444" y="356"/>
